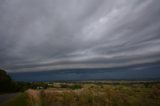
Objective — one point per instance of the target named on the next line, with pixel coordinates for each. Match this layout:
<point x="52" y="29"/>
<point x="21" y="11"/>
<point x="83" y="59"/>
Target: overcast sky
<point x="60" y="34"/>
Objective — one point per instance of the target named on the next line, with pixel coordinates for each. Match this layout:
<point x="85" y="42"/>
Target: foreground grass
<point x="92" y="95"/>
<point x="101" y="95"/>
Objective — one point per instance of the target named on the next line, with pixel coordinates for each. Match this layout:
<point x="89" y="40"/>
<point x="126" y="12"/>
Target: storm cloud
<point x="58" y="34"/>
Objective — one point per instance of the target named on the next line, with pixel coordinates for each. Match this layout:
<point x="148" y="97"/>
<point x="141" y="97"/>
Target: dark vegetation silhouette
<point x="7" y="85"/>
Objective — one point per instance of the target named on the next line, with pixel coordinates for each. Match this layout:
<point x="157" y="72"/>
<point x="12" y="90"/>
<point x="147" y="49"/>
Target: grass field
<point x="91" y="95"/>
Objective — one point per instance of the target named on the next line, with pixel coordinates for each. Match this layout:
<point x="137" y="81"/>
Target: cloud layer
<point x="58" y="34"/>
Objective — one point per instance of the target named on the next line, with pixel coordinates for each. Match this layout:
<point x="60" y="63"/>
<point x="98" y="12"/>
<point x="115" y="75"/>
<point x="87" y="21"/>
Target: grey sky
<point x="57" y="34"/>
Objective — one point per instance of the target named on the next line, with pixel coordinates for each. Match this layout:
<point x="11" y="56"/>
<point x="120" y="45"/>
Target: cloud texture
<point x="58" y="34"/>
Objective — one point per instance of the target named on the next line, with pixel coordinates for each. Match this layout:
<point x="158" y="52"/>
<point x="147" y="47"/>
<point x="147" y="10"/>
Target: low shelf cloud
<point x="64" y="34"/>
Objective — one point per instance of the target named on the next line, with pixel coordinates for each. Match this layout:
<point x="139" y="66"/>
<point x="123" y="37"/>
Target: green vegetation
<point x="38" y="85"/>
<point x="71" y="86"/>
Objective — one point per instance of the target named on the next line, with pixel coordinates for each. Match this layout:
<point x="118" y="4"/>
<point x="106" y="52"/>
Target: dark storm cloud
<point x="57" y="34"/>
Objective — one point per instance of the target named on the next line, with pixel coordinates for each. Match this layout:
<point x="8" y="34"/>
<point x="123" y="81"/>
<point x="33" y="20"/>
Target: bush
<point x="6" y="83"/>
<point x="73" y="87"/>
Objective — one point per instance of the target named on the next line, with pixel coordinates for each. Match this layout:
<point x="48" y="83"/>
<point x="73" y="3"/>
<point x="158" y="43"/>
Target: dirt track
<point x="6" y="97"/>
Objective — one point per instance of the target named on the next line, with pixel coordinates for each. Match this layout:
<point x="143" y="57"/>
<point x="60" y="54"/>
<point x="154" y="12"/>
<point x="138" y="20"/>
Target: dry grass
<point x="33" y="97"/>
<point x="95" y="95"/>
